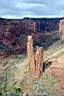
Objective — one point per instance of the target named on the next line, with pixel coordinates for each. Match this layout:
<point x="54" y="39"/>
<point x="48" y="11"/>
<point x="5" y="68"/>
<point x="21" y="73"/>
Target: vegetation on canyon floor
<point x="9" y="86"/>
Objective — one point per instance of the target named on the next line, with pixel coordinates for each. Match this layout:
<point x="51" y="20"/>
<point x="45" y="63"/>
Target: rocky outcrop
<point x="39" y="61"/>
<point x="35" y="59"/>
<point x="61" y="29"/>
<point x="31" y="56"/>
<point x="29" y="24"/>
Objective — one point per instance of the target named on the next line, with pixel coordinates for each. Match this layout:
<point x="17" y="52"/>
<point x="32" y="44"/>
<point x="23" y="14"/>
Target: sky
<point x="31" y="8"/>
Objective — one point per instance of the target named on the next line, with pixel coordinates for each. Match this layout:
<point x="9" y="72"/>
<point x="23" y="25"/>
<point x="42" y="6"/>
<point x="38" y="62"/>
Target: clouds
<point x="31" y="8"/>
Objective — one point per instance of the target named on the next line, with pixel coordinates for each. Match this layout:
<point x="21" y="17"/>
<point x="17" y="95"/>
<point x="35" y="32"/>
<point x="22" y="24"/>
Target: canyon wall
<point x="13" y="33"/>
<point x="61" y="29"/>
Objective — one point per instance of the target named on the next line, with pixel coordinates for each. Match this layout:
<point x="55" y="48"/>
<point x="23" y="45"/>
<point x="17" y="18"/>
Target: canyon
<point x="14" y="32"/>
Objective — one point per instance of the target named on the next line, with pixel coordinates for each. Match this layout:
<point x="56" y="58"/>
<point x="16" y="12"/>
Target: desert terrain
<point x="15" y="76"/>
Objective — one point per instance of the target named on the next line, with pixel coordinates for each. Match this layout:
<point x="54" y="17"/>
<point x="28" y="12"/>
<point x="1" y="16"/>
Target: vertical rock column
<point x="31" y="57"/>
<point x="61" y="29"/>
<point x="35" y="60"/>
<point x="39" y="61"/>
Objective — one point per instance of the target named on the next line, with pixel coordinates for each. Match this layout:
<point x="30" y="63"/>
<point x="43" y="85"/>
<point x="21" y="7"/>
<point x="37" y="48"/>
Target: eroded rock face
<point x="61" y="29"/>
<point x="39" y="61"/>
<point x="31" y="56"/>
<point x="13" y="33"/>
<point x="35" y="60"/>
<point x="29" y="24"/>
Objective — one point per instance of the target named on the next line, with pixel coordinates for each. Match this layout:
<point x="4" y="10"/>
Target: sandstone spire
<point x="35" y="60"/>
<point x="39" y="61"/>
<point x="31" y="56"/>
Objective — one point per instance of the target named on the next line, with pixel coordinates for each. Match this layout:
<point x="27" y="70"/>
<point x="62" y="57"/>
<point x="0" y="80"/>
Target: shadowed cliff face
<point x="13" y="33"/>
